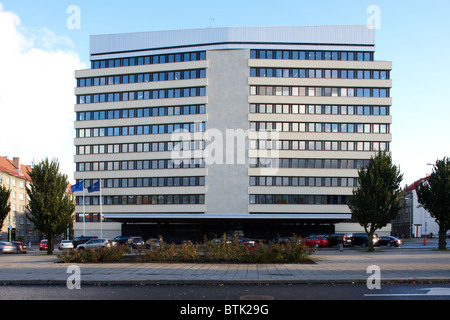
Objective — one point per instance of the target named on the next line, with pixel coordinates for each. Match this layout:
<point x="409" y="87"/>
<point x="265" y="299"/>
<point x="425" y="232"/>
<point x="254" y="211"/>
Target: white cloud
<point x="36" y="93"/>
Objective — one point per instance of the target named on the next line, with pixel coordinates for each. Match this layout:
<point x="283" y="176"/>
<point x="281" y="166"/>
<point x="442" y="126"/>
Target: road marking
<point x="431" y="292"/>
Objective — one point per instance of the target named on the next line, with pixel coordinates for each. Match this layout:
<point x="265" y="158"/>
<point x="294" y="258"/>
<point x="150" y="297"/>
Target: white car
<point x="65" y="244"/>
<point x="95" y="244"/>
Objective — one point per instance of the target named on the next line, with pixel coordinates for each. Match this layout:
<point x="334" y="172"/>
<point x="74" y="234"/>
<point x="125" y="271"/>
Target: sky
<point x="43" y="42"/>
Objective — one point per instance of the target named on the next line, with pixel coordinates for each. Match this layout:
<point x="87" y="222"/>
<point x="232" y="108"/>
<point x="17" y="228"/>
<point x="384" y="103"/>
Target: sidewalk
<point x="331" y="266"/>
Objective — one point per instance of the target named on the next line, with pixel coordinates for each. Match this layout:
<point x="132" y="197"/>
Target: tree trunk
<point x="50" y="244"/>
<point x="442" y="235"/>
<point x="370" y="239"/>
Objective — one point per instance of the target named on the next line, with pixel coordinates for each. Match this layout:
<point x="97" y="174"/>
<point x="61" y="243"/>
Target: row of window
<point x="141" y="112"/>
<point x="141" y="147"/>
<point x="144" y="199"/>
<point x="154" y="59"/>
<point x="304" y="181"/>
<point x="148" y="182"/>
<point x="319" y="73"/>
<point x="319" y="91"/>
<point x="303" y="163"/>
<point x="319" y="145"/>
<point x="311" y="55"/>
<point x="142" y="95"/>
<point x="296" y="199"/>
<point x="320" y="109"/>
<point x="88" y="217"/>
<point x="140" y="164"/>
<point x="142" y="77"/>
<point x="319" y="127"/>
<point x="142" y="129"/>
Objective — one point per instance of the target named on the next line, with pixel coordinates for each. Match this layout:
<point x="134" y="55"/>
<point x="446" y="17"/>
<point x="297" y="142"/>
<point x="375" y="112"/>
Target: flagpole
<point x="101" y="210"/>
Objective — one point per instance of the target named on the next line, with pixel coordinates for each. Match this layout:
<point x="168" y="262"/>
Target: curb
<point x="225" y="282"/>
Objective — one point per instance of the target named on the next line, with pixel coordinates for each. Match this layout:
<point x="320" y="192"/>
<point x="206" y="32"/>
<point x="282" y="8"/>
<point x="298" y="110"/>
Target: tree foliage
<point x="50" y="206"/>
<point x="5" y="204"/>
<point x="434" y="195"/>
<point x="376" y="201"/>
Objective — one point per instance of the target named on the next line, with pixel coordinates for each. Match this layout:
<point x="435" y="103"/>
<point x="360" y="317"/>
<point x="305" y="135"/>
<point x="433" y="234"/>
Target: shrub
<point x="223" y="250"/>
<point x="104" y="254"/>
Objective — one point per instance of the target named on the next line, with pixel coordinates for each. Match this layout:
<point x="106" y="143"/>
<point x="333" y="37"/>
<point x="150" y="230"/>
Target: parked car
<point x="95" y="243"/>
<point x="152" y="242"/>
<point x="43" y="245"/>
<point x="65" y="244"/>
<point x="336" y="239"/>
<point x="317" y="242"/>
<point x="83" y="239"/>
<point x="136" y="242"/>
<point x="284" y="240"/>
<point x="361" y="239"/>
<point x="21" y="247"/>
<point x="247" y="241"/>
<point x="390" y="241"/>
<point x="132" y="241"/>
<point x="122" y="239"/>
<point x="8" y="247"/>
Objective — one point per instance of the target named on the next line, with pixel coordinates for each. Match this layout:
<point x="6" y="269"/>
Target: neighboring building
<point x="14" y="176"/>
<point x="279" y="119"/>
<point x="413" y="221"/>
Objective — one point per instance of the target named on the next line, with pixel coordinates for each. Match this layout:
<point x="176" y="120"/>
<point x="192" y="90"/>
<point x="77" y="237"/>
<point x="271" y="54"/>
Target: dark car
<point x="336" y="239"/>
<point x="80" y="240"/>
<point x="136" y="242"/>
<point x="132" y="241"/>
<point x="361" y="239"/>
<point x="390" y="241"/>
<point x="122" y="239"/>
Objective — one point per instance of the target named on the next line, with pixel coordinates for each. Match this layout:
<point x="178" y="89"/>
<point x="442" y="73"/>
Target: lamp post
<point x="410" y="213"/>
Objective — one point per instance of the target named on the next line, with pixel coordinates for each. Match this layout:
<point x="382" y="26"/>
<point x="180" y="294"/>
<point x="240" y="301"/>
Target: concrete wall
<point x="227" y="109"/>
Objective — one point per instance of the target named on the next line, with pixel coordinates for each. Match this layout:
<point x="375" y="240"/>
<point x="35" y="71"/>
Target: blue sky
<point x="413" y="34"/>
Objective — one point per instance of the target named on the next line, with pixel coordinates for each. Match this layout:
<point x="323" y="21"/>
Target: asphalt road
<point x="388" y="291"/>
<point x="217" y="301"/>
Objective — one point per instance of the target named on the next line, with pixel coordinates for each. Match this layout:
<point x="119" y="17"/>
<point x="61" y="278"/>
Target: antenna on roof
<point x="211" y="22"/>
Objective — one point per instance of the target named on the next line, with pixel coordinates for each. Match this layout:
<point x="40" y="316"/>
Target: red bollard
<point x="424" y="241"/>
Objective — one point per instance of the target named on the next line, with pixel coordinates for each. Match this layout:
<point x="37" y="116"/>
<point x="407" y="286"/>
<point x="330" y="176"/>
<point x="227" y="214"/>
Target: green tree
<point x="50" y="206"/>
<point x="375" y="202"/>
<point x="434" y="195"/>
<point x="5" y="205"/>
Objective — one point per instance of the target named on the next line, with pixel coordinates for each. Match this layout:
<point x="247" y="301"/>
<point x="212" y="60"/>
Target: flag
<point x="77" y="187"/>
<point x="94" y="187"/>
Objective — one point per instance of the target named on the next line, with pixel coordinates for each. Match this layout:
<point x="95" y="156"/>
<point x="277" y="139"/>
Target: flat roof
<point x="358" y="37"/>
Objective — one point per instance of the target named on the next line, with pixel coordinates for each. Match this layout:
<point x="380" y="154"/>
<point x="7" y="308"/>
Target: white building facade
<point x="413" y="221"/>
<point x="199" y="132"/>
